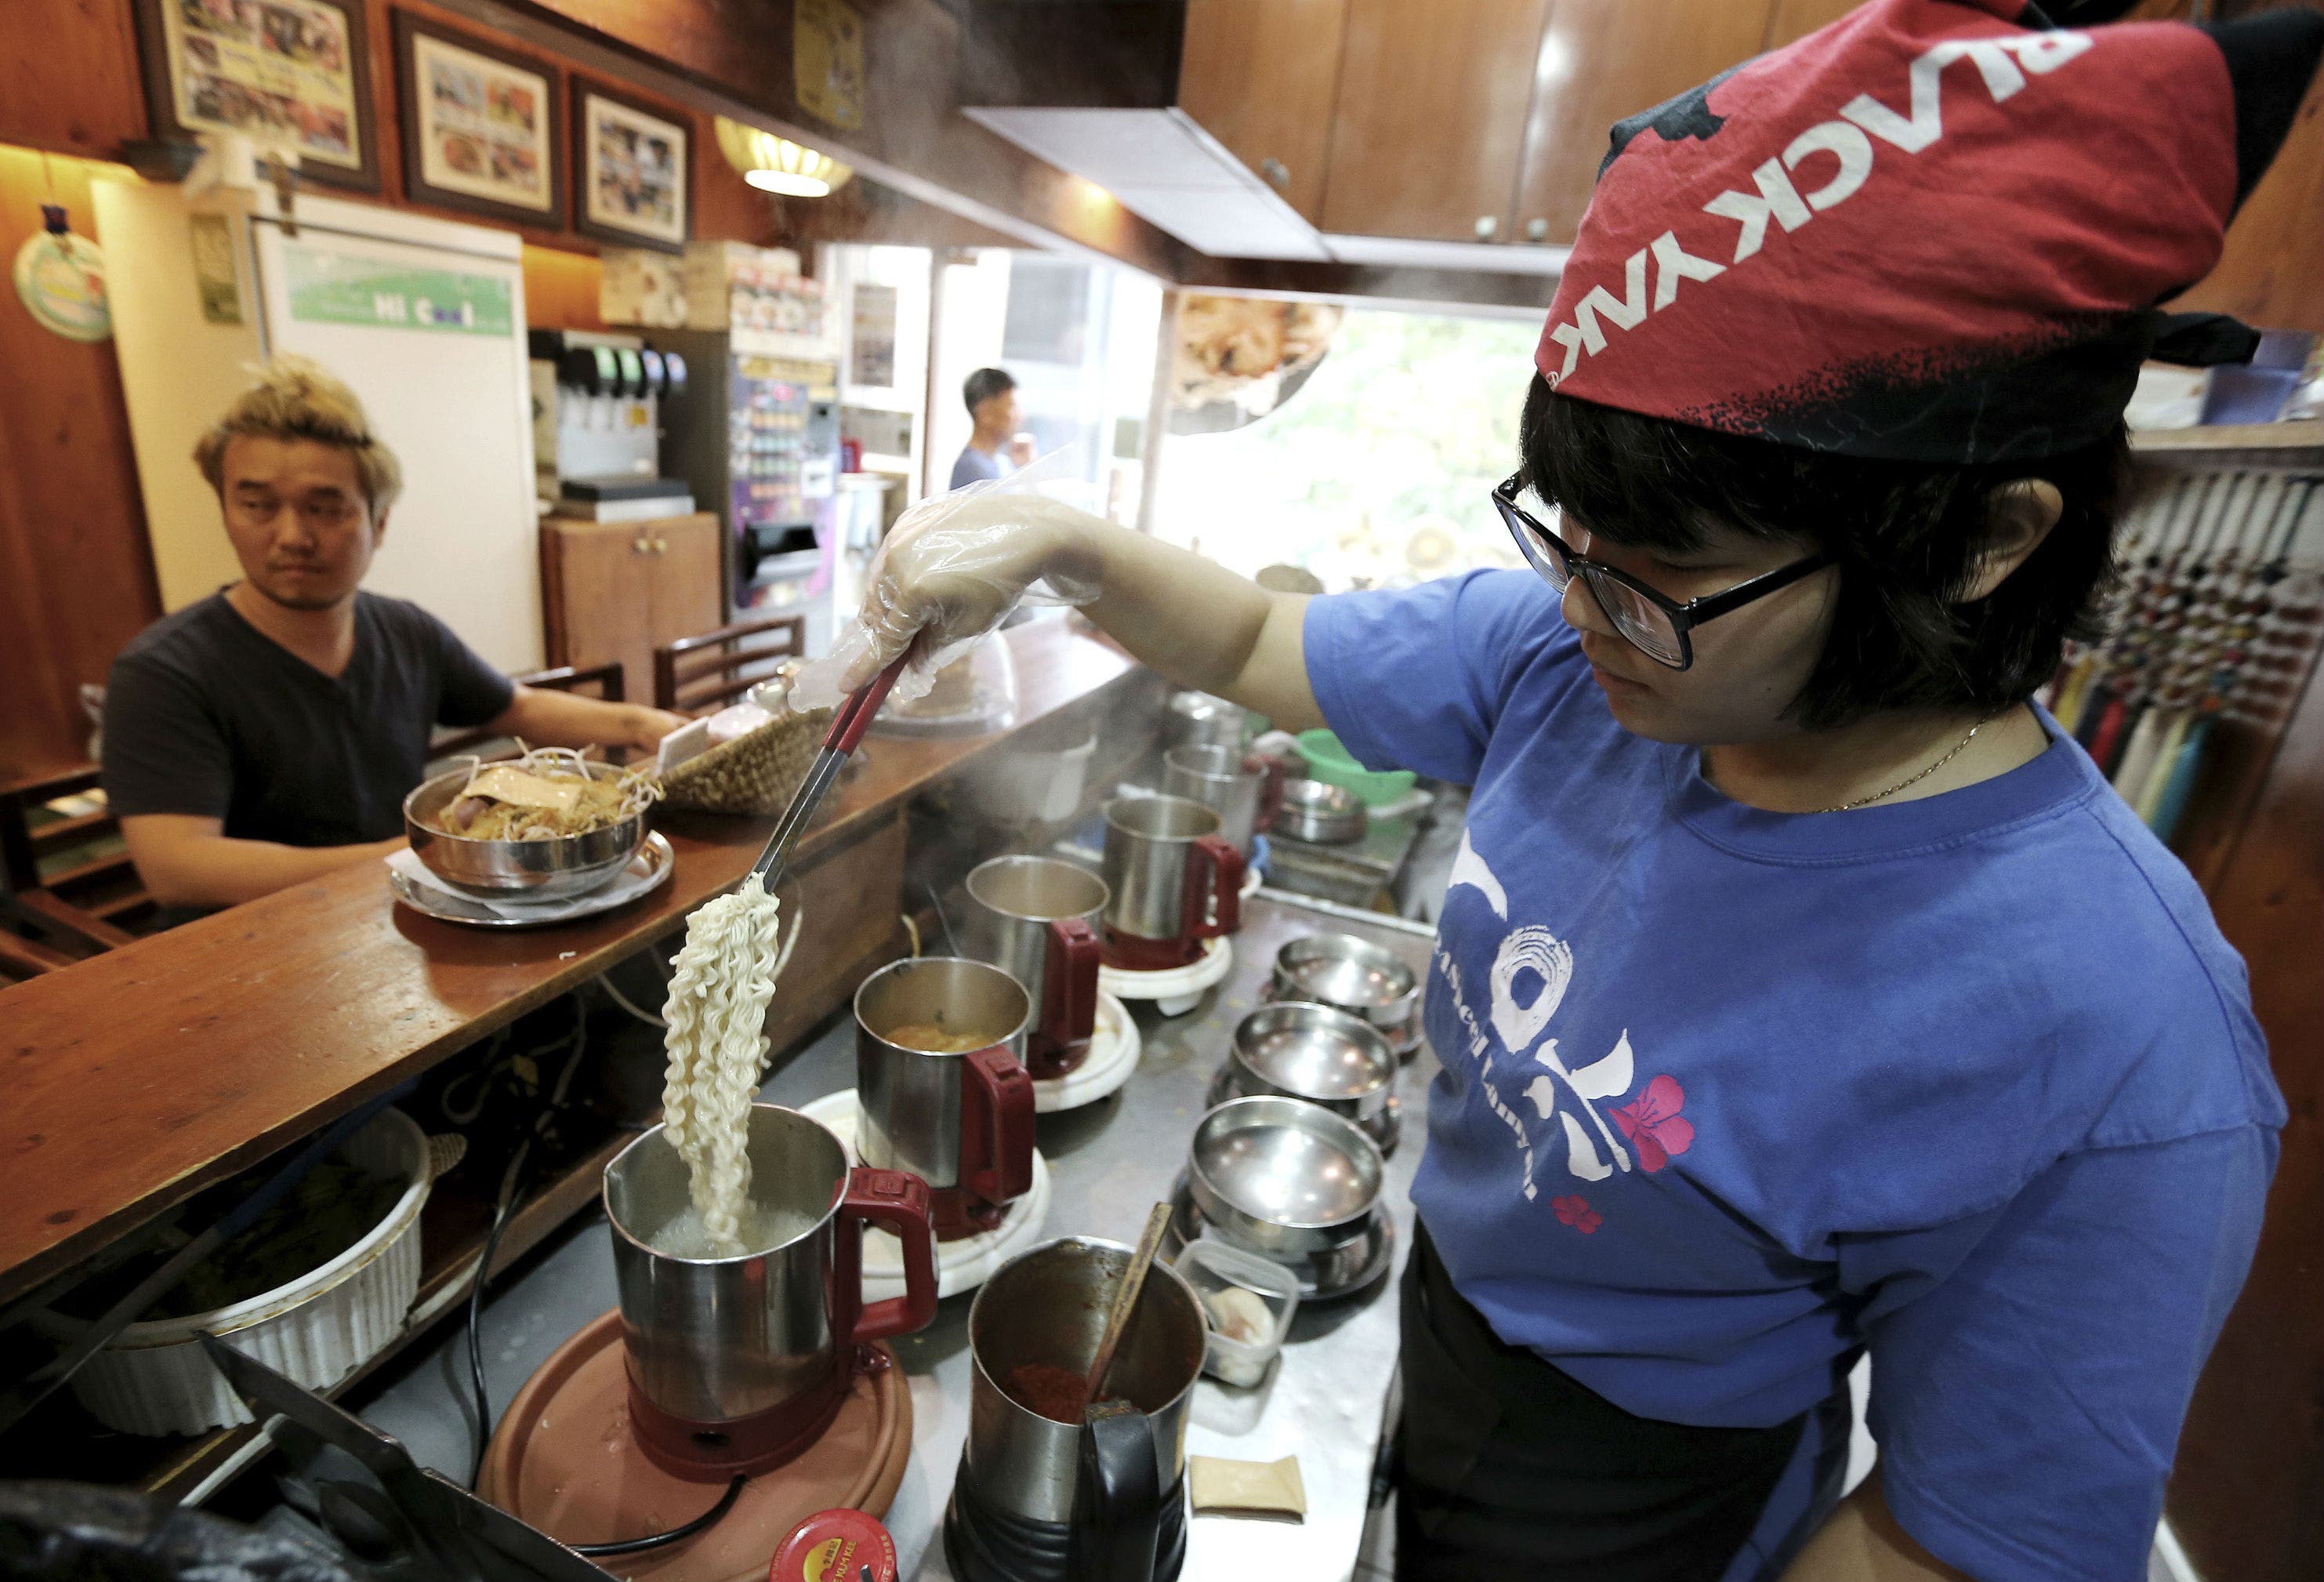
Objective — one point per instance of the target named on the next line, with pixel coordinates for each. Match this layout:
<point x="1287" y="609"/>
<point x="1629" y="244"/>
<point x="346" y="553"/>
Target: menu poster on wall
<point x="287" y="74"/>
<point x="633" y="171"/>
<point x="481" y="127"/>
<point x="872" y="358"/>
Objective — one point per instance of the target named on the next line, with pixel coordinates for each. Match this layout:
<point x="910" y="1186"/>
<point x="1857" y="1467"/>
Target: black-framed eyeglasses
<point x="1658" y="626"/>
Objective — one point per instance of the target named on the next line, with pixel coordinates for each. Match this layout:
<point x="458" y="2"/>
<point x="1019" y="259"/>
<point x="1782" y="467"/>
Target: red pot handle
<point x="1070" y="975"/>
<point x="1213" y="899"/>
<point x="996" y="1126"/>
<point x="896" y="1201"/>
<point x="1271" y="775"/>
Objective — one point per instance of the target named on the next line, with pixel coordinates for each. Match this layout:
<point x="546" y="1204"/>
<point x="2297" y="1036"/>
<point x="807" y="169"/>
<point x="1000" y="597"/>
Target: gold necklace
<point x="1958" y="748"/>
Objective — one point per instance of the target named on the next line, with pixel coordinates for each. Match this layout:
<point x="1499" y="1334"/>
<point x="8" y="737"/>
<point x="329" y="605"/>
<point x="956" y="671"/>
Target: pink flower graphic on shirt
<point x="1652" y="1123"/>
<point x="1576" y="1212"/>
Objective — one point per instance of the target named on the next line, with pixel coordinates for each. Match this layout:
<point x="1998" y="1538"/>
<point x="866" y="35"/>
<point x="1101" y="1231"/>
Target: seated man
<point x="269" y="732"/>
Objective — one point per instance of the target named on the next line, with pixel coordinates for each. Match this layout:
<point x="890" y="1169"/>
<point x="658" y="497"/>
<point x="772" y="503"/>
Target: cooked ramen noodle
<point x="717" y="1013"/>
<point x="931" y="1039"/>
<point x="549" y="793"/>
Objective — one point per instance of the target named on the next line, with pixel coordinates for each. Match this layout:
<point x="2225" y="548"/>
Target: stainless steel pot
<point x="553" y="869"/>
<point x="1170" y="877"/>
<point x="732" y="1359"/>
<point x="1218" y="778"/>
<point x="1356" y="977"/>
<point x="1327" y="815"/>
<point x="1047" y="1309"/>
<point x="1317" y="1054"/>
<point x="1283" y="1177"/>
<point x="962" y="1123"/>
<point x="1036" y="919"/>
<point x="1199" y="719"/>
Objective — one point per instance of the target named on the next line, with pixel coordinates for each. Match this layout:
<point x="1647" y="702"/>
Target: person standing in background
<point x="991" y="397"/>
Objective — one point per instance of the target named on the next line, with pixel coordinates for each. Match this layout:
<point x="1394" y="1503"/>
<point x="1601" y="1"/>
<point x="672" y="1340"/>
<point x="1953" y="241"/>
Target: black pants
<point x="1510" y="1468"/>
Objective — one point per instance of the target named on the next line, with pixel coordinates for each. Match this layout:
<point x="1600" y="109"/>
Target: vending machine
<point x="756" y="438"/>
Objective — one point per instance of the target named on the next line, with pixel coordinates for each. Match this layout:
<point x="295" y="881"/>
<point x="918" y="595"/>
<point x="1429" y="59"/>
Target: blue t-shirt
<point x="1971" y="1080"/>
<point x="974" y="467"/>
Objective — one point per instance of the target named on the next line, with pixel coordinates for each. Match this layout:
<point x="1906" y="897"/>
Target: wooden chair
<point x="606" y="678"/>
<point x="700" y="675"/>
<point x="53" y="920"/>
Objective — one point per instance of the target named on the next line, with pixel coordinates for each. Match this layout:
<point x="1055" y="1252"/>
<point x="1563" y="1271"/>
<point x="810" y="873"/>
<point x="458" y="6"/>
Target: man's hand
<point x="647" y="727"/>
<point x="1021" y="451"/>
<point x="546" y="719"/>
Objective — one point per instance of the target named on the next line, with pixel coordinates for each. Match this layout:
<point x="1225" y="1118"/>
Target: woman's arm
<point x="185" y="861"/>
<point x="1861" y="1541"/>
<point x="544" y="717"/>
<point x="953" y="567"/>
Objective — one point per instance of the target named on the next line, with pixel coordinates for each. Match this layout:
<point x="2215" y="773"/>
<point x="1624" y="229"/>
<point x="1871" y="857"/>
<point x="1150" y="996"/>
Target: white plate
<point x="960" y="1266"/>
<point x="1113" y="1054"/>
<point x="650" y="867"/>
<point x="1176" y="989"/>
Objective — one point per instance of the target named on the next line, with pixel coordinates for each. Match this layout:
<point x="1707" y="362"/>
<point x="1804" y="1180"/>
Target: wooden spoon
<point x="1125" y="1299"/>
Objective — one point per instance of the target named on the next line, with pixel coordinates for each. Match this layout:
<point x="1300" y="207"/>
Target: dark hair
<point x="1905" y="534"/>
<point x="984" y="384"/>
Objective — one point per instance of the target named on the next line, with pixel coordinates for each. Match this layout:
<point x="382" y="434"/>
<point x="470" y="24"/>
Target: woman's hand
<point x="950" y="572"/>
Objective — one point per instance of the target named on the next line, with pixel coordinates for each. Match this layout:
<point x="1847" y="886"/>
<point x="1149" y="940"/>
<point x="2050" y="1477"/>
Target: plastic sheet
<point x="952" y="570"/>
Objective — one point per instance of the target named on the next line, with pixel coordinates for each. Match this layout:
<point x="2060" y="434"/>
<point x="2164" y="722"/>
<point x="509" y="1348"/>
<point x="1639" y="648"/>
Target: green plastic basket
<point x="1330" y="762"/>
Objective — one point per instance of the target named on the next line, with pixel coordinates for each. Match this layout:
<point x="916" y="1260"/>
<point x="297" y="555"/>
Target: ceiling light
<point x="777" y="164"/>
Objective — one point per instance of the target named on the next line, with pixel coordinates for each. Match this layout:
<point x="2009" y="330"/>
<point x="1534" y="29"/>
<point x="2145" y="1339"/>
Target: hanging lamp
<point x="777" y="164"/>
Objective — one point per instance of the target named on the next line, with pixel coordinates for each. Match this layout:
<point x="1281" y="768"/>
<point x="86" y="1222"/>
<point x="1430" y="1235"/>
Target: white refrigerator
<point x="424" y="317"/>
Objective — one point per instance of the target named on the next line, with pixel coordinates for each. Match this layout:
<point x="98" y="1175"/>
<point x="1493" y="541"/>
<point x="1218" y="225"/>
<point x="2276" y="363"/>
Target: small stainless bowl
<point x="1320" y="814"/>
<point x="1312" y="1052"/>
<point x="1283" y="1177"/>
<point x="553" y="869"/>
<point x="1348" y="975"/>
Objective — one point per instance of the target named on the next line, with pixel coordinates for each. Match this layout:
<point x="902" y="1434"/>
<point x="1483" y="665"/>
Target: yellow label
<point x="827" y="1562"/>
<point x="827" y="59"/>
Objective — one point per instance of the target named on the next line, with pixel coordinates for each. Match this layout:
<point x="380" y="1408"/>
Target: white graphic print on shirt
<point x="1531" y="953"/>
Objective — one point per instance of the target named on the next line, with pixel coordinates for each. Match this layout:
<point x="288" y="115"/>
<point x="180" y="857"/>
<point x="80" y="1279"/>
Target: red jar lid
<point x="835" y="1546"/>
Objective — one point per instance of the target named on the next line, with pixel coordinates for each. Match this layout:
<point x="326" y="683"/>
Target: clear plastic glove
<point x="950" y="571"/>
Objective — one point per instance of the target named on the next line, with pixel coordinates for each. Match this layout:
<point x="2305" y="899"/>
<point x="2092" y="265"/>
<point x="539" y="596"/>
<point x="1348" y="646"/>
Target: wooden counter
<point x="139" y="1077"/>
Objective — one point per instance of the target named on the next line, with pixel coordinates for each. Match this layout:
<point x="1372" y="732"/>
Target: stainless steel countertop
<point x="1109" y="1163"/>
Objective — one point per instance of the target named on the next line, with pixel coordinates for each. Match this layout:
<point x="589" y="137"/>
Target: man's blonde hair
<point x="296" y="398"/>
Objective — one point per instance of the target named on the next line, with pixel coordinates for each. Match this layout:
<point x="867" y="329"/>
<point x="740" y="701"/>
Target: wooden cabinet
<point x="615" y="590"/>
<point x="1599" y="61"/>
<point x="1430" y="120"/>
<point x="1260" y="76"/>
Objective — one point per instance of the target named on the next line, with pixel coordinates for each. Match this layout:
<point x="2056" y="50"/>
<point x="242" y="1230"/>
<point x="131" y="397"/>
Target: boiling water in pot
<point x="761" y="1225"/>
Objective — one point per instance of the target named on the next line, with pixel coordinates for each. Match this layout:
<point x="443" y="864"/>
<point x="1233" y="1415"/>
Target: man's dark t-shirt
<point x="206" y="715"/>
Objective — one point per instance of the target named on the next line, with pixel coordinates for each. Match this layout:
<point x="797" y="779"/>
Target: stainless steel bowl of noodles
<point x="545" y="827"/>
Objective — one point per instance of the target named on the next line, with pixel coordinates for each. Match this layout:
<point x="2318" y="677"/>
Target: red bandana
<point x="1926" y="232"/>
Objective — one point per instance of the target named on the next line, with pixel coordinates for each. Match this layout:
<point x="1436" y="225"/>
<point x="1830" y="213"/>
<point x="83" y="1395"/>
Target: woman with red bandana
<point x="1801" y="990"/>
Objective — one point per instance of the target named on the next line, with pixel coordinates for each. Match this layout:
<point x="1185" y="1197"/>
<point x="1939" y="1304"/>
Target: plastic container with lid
<point x="840" y="1545"/>
<point x="1248" y="1302"/>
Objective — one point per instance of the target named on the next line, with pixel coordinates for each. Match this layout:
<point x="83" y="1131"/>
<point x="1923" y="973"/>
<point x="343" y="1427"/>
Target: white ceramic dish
<point x="154" y="1379"/>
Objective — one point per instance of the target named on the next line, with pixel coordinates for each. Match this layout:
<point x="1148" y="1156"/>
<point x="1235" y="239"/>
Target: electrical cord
<point x="652" y="1540"/>
<point x="501" y="1213"/>
<point x="606" y="982"/>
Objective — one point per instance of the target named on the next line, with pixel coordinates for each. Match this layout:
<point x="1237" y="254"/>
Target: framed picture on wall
<point x="483" y="129"/>
<point x="286" y="73"/>
<point x="635" y="175"/>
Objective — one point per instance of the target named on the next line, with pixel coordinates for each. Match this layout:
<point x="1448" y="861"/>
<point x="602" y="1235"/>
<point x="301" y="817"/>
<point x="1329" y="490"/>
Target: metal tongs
<point x="847" y="729"/>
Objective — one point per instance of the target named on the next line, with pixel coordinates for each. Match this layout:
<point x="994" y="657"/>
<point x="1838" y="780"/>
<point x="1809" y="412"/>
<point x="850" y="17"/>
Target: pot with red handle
<point x="1173" y="882"/>
<point x="941" y="1088"/>
<point x="739" y="1363"/>
<point x="1037" y="918"/>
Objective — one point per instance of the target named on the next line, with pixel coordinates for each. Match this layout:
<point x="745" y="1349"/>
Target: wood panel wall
<point x="76" y="573"/>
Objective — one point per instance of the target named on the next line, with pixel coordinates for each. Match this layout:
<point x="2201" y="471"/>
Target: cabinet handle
<point x="639" y="545"/>
<point x="1536" y="231"/>
<point x="1486" y="225"/>
<point x="661" y="545"/>
<point x="1276" y="172"/>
